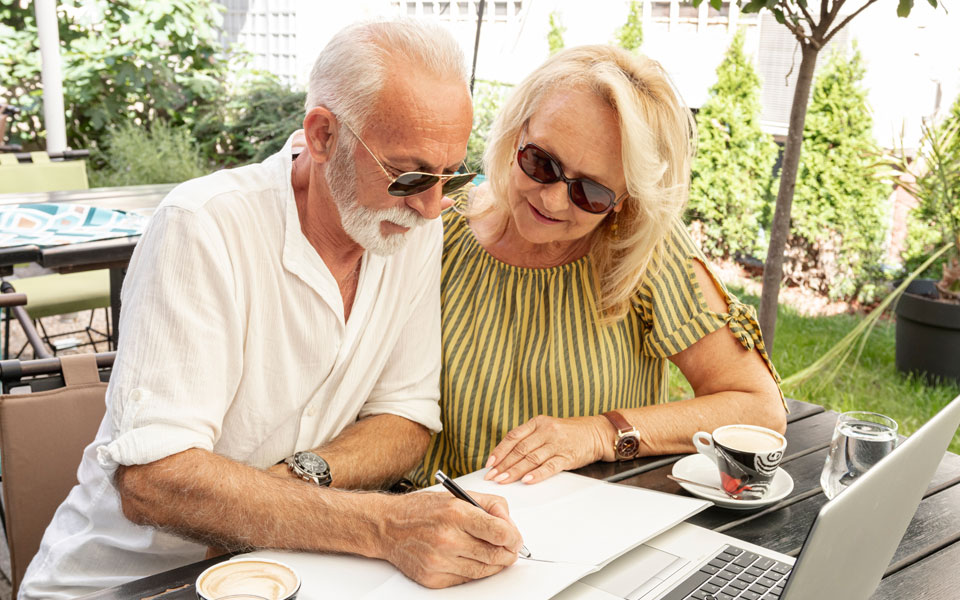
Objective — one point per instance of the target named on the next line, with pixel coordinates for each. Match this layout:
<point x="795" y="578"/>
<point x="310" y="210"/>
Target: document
<point x="572" y="525"/>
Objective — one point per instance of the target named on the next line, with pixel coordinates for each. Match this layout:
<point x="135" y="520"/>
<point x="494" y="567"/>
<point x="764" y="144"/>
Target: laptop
<point x="845" y="554"/>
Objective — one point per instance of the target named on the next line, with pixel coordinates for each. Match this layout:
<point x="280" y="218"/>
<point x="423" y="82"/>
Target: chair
<point x="41" y="174"/>
<point x="56" y="294"/>
<point x="42" y="436"/>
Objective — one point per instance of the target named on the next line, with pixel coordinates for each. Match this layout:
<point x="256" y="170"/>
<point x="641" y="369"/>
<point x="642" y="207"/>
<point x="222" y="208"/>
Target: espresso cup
<point x="747" y="457"/>
<point x="248" y="579"/>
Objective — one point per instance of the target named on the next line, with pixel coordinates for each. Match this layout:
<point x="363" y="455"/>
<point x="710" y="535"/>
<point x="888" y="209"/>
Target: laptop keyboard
<point x="734" y="573"/>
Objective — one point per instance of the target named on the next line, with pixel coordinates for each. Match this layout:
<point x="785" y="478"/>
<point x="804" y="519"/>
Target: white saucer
<point x="698" y="467"/>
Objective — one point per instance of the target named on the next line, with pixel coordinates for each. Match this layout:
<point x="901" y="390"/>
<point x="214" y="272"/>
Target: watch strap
<point x="618" y="421"/>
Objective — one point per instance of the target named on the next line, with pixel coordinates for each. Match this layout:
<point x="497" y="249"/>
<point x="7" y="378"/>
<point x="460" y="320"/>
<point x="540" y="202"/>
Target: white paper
<point x="572" y="525"/>
<point x="528" y="579"/>
<point x="575" y="519"/>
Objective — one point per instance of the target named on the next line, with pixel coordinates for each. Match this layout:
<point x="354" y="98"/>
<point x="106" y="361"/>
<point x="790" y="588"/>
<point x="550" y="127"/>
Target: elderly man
<point x="289" y="311"/>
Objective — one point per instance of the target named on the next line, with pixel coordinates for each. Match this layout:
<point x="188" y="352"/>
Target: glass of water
<point x="860" y="440"/>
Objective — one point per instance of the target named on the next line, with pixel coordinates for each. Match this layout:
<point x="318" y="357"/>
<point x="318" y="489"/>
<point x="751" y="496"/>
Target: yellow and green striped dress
<point x="521" y="342"/>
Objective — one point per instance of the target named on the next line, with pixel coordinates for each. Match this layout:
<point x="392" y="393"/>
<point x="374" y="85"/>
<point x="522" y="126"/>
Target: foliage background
<point x="924" y="233"/>
<point x="840" y="207"/>
<point x="629" y="36"/>
<point x="732" y="171"/>
<point x="555" y="33"/>
<point x="148" y="88"/>
<point x="123" y="61"/>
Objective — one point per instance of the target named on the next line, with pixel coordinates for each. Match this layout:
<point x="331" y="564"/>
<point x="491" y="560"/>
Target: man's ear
<point x="320" y="128"/>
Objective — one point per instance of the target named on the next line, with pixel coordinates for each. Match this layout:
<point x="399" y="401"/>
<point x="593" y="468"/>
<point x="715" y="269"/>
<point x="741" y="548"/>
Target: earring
<point x="614" y="229"/>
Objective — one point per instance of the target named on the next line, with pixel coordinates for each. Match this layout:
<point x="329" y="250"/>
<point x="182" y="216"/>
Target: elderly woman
<point x="569" y="281"/>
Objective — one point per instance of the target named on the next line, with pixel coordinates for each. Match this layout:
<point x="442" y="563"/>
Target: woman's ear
<point x="320" y="128"/>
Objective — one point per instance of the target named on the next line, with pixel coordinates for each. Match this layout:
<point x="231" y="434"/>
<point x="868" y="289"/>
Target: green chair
<point x="41" y="174"/>
<point x="57" y="294"/>
<point x="49" y="295"/>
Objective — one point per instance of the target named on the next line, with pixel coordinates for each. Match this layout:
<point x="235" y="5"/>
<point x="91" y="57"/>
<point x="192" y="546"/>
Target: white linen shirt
<point x="233" y="340"/>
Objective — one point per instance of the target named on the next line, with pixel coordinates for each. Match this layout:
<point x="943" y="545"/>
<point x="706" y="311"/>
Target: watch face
<point x="628" y="446"/>
<point x="311" y="463"/>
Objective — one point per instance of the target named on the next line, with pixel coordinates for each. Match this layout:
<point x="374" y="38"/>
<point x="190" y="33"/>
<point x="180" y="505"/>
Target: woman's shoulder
<point x="670" y="273"/>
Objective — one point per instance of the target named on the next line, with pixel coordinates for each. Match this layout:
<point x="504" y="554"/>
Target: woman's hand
<point x="544" y="446"/>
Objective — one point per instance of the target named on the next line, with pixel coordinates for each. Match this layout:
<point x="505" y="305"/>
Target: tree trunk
<point x="780" y="231"/>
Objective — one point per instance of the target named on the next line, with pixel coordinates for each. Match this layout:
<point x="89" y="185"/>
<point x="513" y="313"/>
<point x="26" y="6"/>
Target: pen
<point x="459" y="492"/>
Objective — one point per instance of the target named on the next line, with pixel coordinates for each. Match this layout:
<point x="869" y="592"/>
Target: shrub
<point x="488" y="97"/>
<point x="630" y="34"/>
<point x="731" y="172"/>
<point x="253" y="124"/>
<point x="555" y="34"/>
<point x="839" y="209"/>
<point x="135" y="155"/>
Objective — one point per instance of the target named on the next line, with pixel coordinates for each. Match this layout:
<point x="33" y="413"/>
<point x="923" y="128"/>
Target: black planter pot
<point x="928" y="333"/>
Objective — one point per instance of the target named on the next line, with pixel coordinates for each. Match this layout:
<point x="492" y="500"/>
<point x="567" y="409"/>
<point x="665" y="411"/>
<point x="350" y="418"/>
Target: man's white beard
<point x="362" y="224"/>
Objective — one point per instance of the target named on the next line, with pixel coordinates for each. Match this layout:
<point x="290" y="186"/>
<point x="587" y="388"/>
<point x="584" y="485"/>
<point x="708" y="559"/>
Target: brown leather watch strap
<point x="618" y="421"/>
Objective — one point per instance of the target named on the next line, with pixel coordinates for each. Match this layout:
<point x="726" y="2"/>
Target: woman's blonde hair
<point x="658" y="137"/>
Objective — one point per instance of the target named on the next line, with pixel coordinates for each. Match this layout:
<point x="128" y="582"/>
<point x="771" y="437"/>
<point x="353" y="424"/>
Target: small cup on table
<point x="248" y="579"/>
<point x="747" y="457"/>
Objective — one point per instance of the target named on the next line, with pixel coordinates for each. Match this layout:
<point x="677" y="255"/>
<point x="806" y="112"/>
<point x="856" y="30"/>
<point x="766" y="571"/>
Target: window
<point x="266" y="28"/>
<point x="660" y="10"/>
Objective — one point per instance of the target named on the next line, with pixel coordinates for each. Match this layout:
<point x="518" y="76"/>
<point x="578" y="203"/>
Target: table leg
<point x="116" y="282"/>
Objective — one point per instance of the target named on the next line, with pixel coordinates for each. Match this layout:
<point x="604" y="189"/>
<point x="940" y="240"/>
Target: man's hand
<point x="438" y="540"/>
<point x="544" y="446"/>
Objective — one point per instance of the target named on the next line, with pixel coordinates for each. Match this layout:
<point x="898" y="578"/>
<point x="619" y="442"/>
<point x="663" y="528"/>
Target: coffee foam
<point x="256" y="578"/>
<point x="747" y="440"/>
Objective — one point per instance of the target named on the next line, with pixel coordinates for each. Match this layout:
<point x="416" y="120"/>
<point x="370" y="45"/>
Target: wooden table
<point x="113" y="254"/>
<point x="926" y="560"/>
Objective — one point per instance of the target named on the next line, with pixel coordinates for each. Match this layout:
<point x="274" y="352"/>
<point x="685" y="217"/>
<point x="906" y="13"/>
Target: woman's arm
<point x="731" y="385"/>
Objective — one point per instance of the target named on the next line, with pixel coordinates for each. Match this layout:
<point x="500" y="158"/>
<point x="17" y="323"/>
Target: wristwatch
<point x="627" y="445"/>
<point x="310" y="467"/>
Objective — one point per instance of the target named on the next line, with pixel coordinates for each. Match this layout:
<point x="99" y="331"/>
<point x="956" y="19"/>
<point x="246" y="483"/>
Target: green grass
<point x="871" y="383"/>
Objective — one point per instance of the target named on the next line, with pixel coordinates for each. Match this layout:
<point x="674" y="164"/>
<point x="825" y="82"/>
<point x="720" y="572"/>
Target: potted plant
<point x="928" y="312"/>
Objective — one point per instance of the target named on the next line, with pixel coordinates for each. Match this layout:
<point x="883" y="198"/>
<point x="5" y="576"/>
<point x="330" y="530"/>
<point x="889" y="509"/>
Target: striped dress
<point x="521" y="342"/>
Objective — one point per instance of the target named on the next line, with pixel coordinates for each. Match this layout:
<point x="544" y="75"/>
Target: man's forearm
<point x="211" y="499"/>
<point x="375" y="452"/>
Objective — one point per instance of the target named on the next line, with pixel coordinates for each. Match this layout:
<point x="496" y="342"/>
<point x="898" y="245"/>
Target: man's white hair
<point x="350" y="71"/>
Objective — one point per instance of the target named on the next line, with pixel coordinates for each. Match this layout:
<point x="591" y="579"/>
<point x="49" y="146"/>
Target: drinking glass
<point x="860" y="440"/>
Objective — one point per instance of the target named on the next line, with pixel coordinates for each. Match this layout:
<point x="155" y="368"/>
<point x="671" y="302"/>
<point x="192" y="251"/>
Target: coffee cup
<point x="248" y="579"/>
<point x="747" y="457"/>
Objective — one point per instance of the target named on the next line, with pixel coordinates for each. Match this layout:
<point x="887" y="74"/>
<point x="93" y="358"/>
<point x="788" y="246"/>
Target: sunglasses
<point x="415" y="182"/>
<point x="540" y="166"/>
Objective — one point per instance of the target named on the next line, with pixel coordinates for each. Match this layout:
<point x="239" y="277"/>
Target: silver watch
<point x="310" y="467"/>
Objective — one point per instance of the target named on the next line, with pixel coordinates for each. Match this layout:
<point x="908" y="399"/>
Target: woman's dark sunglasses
<point x="541" y="167"/>
<point x="414" y="182"/>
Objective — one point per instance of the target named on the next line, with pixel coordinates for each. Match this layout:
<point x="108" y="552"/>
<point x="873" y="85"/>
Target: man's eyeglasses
<point x="541" y="167"/>
<point x="414" y="182"/>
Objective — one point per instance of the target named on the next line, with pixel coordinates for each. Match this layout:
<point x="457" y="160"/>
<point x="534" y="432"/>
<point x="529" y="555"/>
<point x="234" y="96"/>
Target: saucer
<point x="698" y="467"/>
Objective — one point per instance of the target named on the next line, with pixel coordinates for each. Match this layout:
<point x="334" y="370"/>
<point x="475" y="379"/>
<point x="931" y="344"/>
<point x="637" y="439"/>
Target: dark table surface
<point x="925" y="564"/>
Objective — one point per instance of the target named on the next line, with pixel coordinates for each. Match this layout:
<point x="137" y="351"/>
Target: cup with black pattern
<point x="747" y="457"/>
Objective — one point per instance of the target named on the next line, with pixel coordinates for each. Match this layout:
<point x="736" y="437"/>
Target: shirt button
<point x="312" y="411"/>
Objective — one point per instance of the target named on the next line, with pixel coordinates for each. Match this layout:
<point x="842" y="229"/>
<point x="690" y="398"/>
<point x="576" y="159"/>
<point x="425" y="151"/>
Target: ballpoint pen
<point x="459" y="492"/>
